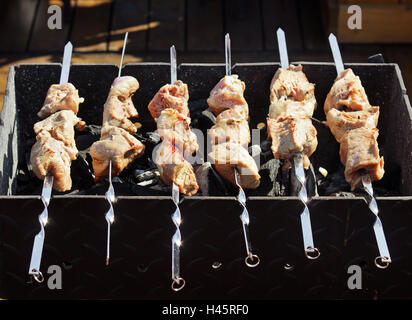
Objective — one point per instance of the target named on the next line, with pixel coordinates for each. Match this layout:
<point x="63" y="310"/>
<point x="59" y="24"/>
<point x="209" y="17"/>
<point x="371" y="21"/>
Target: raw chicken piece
<point x="119" y="105"/>
<point x="174" y="96"/>
<point x="360" y="154"/>
<point x="227" y="94"/>
<point x="230" y="126"/>
<point x="49" y="155"/>
<point x="347" y="94"/>
<point x="115" y="144"/>
<point x="291" y="136"/>
<point x="339" y="122"/>
<point x="174" y="127"/>
<point x="60" y="97"/>
<point x="229" y="156"/>
<point x="292" y="84"/>
<point x="173" y="168"/>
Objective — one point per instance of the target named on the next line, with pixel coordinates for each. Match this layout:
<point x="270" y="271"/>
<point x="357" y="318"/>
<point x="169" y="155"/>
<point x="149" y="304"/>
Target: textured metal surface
<point x="140" y="265"/>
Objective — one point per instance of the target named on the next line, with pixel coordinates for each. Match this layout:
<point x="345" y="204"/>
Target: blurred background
<point x="197" y="27"/>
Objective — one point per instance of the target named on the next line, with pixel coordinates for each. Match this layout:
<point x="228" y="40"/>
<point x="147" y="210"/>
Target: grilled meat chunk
<point x="230" y="135"/>
<point x="173" y="168"/>
<point x="339" y="122"/>
<point x="169" y="108"/>
<point x="291" y="136"/>
<point x="352" y="121"/>
<point x="60" y="125"/>
<point x="229" y="156"/>
<point x="52" y="156"/>
<point x="291" y="83"/>
<point x="347" y="94"/>
<point x="360" y="154"/>
<point x="285" y="107"/>
<point x="227" y="94"/>
<point x="173" y="96"/>
<point x="55" y="148"/>
<point x="60" y="97"/>
<point x="230" y="126"/>
<point x="119" y="105"/>
<point x="174" y="127"/>
<point x="292" y="105"/>
<point x="117" y="145"/>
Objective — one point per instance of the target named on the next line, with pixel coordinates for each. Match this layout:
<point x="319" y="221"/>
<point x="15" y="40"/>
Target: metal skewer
<point x="34" y="269"/>
<point x="311" y="251"/>
<point x="384" y="258"/>
<point x="110" y="195"/>
<point x="178" y="282"/>
<point x="251" y="260"/>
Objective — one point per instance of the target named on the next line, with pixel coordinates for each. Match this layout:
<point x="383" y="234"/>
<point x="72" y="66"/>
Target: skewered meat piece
<point x="340" y="122"/>
<point x="292" y="136"/>
<point x="352" y="121"/>
<point x="230" y="126"/>
<point x="227" y="94"/>
<point x="174" y="126"/>
<point x="230" y="135"/>
<point x="60" y="126"/>
<point x="60" y="97"/>
<point x="347" y="94"/>
<point x="293" y="102"/>
<point x="285" y="107"/>
<point x="173" y="168"/>
<point x="169" y="108"/>
<point x="359" y="153"/>
<point x="116" y="144"/>
<point x="228" y="156"/>
<point x="291" y="83"/>
<point x="119" y="105"/>
<point x="174" y="96"/>
<point x="55" y="148"/>
<point x="52" y="156"/>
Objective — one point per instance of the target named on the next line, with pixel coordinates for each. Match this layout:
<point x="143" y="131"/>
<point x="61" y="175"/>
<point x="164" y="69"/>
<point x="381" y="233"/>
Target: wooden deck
<point x="196" y="27"/>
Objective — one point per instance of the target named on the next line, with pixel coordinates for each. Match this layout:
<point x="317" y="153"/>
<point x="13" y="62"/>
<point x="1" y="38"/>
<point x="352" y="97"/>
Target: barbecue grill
<point x="212" y="248"/>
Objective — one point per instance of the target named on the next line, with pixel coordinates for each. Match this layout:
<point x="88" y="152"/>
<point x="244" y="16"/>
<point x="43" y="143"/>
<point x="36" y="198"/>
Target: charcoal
<point x="152" y="137"/>
<point x="211" y="183"/>
<point x="334" y="183"/>
<point x="141" y="175"/>
<point x="272" y="182"/>
<point x="22" y="176"/>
